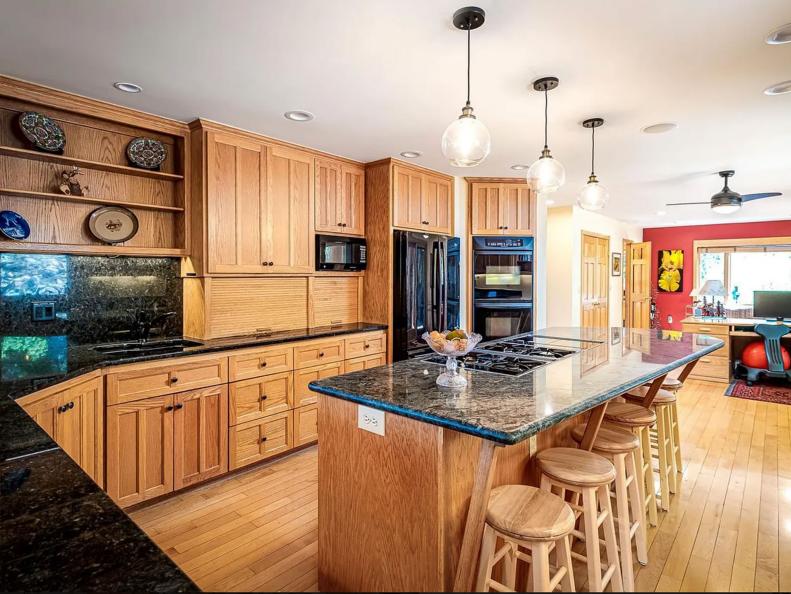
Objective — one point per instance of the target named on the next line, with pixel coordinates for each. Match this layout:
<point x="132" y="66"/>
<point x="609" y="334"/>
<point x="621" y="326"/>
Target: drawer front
<point x="361" y="363"/>
<point x="260" y="362"/>
<point x="302" y="377"/>
<point x="365" y="344"/>
<point x="146" y="381"/>
<point x="718" y="329"/>
<point x="259" y="397"/>
<point x="711" y="367"/>
<point x="306" y="424"/>
<point x="317" y="353"/>
<point x="258" y="440"/>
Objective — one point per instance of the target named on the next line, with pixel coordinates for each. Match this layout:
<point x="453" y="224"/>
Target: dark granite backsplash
<point x="96" y="298"/>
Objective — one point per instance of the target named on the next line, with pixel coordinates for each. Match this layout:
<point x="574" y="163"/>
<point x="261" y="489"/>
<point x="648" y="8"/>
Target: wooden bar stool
<point x="588" y="475"/>
<point x="663" y="404"/>
<point x="532" y="519"/>
<point x="673" y="385"/>
<point x="622" y="448"/>
<point x="638" y="419"/>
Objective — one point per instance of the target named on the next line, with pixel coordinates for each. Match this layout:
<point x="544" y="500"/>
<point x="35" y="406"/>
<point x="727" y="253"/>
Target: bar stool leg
<point x="540" y="566"/>
<point x="590" y="515"/>
<point x="487" y="553"/>
<point x="676" y="437"/>
<point x="611" y="543"/>
<point x="563" y="556"/>
<point x="624" y="523"/>
<point x="637" y="503"/>
<point x="647" y="474"/>
<point x="509" y="567"/>
<point x="662" y="448"/>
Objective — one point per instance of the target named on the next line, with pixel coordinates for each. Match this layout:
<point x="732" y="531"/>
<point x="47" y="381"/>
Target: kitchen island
<point x="402" y="504"/>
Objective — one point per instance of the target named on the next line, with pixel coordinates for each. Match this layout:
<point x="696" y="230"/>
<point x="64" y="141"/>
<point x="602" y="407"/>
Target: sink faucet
<point x="143" y="320"/>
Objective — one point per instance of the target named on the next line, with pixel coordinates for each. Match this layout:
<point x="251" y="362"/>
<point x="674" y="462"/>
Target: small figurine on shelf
<point x="71" y="185"/>
<point x="735" y="294"/>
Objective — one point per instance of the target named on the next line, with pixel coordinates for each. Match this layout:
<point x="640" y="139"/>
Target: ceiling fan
<point x="726" y="200"/>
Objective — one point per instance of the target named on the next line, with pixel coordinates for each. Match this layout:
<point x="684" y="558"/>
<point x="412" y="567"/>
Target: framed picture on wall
<point x="670" y="277"/>
<point x="616" y="264"/>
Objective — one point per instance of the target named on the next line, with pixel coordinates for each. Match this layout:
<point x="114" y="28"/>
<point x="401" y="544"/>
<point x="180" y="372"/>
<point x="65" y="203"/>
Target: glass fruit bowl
<point x="453" y="344"/>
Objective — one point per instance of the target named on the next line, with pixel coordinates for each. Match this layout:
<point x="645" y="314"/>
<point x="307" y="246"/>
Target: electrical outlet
<point x="43" y="311"/>
<point x="370" y="419"/>
<point x="669" y="319"/>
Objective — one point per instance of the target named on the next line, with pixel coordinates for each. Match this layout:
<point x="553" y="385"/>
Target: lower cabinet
<point x="306" y="424"/>
<point x="164" y="443"/>
<point x="361" y="363"/>
<point x="261" y="439"/>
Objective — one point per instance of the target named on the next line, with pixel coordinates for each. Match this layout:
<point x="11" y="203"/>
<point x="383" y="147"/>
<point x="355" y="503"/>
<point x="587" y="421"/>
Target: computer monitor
<point x="774" y="305"/>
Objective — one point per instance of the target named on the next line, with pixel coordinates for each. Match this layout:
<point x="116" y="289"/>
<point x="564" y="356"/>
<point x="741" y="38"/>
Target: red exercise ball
<point x="754" y="355"/>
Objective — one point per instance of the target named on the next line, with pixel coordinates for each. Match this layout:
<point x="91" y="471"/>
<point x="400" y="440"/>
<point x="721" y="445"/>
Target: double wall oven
<point x="502" y="286"/>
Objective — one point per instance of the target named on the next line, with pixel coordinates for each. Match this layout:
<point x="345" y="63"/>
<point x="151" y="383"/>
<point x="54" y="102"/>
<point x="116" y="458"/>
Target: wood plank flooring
<point x="728" y="527"/>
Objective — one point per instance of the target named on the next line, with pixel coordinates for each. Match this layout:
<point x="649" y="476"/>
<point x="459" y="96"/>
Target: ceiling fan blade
<point x="686" y="203"/>
<point x="747" y="197"/>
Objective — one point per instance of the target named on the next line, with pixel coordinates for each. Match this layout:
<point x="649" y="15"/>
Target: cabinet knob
<point x="263" y="364"/>
<point x="343" y="225"/>
<point x="168" y="408"/>
<point x="263" y="439"/>
<point x="366" y="346"/>
<point x="271" y="264"/>
<point x="321" y="354"/>
<point x="179" y="406"/>
<point x="70" y="405"/>
<point x="173" y="380"/>
<point x="340" y="224"/>
<point x="264" y="397"/>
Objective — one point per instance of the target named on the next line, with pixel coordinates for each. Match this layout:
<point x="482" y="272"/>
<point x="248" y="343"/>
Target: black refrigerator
<point x="425" y="289"/>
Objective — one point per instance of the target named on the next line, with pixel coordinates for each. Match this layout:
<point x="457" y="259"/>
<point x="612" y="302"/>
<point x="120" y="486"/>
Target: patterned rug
<point x="765" y="392"/>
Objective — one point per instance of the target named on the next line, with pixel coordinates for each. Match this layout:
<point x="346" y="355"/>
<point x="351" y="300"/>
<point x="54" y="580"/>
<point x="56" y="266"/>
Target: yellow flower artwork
<point x="671" y="268"/>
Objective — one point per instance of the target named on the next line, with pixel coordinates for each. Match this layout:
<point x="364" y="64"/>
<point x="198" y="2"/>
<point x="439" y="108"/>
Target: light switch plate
<point x="370" y="419"/>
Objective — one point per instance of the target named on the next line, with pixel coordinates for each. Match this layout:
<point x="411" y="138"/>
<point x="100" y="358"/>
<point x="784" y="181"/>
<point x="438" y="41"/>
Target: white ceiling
<point x="383" y="76"/>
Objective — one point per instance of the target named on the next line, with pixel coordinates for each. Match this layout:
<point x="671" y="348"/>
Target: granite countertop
<point x="509" y="409"/>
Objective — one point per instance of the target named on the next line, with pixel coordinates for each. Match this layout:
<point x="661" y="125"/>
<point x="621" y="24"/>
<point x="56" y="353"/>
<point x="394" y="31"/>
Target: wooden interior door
<point x="329" y="207"/>
<point x="140" y="450"/>
<point x="200" y="435"/>
<point x="407" y="198"/>
<point x="595" y="281"/>
<point x="639" y="292"/>
<point x="352" y="203"/>
<point x="435" y="205"/>
<point x="486" y="209"/>
<point x="516" y="214"/>
<point x="288" y="212"/>
<point x="236" y="186"/>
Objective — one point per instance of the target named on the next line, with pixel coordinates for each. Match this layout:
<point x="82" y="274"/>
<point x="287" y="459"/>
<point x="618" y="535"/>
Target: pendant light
<point x="466" y="141"/>
<point x="547" y="174"/>
<point x="593" y="196"/>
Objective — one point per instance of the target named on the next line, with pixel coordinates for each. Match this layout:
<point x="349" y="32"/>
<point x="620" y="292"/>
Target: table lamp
<point x="713" y="289"/>
<point x="695" y="310"/>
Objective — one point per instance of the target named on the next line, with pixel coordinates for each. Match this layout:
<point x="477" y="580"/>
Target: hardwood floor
<point x="728" y="527"/>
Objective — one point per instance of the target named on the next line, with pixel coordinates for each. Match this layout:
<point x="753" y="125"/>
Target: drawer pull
<point x="173" y="380"/>
<point x="366" y="346"/>
<point x="704" y="329"/>
<point x="264" y="397"/>
<point x="263" y="439"/>
<point x="263" y="364"/>
<point x="321" y="354"/>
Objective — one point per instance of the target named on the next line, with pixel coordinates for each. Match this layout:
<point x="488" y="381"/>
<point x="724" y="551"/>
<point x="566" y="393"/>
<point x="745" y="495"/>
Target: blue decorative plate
<point x="13" y="225"/>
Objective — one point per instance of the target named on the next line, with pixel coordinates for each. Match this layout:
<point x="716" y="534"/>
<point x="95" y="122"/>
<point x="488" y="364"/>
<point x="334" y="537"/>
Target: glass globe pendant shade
<point x="547" y="174"/>
<point x="466" y="141"/>
<point x="593" y="196"/>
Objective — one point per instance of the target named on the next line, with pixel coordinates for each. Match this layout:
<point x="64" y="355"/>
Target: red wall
<point x="681" y="238"/>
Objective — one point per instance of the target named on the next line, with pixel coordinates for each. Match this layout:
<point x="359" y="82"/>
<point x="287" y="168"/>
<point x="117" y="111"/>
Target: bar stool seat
<point x="529" y="513"/>
<point x="610" y="439"/>
<point x="629" y="414"/>
<point x="662" y="396"/>
<point x="671" y="383"/>
<point x="576" y="467"/>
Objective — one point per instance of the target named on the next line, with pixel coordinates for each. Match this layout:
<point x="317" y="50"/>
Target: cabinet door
<point x="200" y="435"/>
<point x="306" y="425"/>
<point x="352" y="204"/>
<point x="407" y="198"/>
<point x="236" y="186"/>
<point x="258" y="440"/>
<point x="288" y="212"/>
<point x="140" y="450"/>
<point x="259" y="397"/>
<point x="516" y="213"/>
<point x="302" y="377"/>
<point x="436" y="207"/>
<point x="329" y="202"/>
<point x="485" y="206"/>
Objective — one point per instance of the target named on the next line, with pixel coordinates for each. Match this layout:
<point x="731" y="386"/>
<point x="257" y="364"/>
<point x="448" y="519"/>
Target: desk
<point x="736" y="332"/>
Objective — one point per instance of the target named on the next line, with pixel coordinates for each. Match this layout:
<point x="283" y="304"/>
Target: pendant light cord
<point x="546" y="116"/>
<point x="469" y="28"/>
<point x="593" y="146"/>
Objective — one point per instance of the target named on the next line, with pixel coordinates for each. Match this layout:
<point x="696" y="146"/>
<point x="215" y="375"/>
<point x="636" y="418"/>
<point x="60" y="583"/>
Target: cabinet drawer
<point x="260" y="362"/>
<point x="259" y="397"/>
<point x="302" y="377"/>
<point x="361" y="363"/>
<point x="306" y="424"/>
<point x="316" y="353"/>
<point x="156" y="379"/>
<point x="711" y="367"/>
<point x="365" y="344"/>
<point x="258" y="440"/>
<point x="718" y="329"/>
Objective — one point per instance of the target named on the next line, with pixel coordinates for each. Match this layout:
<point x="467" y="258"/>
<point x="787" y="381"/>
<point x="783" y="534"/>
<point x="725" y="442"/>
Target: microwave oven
<point x="334" y="252"/>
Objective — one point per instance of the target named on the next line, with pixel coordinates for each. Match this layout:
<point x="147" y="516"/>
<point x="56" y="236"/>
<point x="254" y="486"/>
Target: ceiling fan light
<point x="466" y="141"/>
<point x="546" y="175"/>
<point x="593" y="196"/>
<point x="725" y="208"/>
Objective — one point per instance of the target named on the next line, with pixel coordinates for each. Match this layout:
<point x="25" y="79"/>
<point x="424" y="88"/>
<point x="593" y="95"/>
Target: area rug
<point x="765" y="392"/>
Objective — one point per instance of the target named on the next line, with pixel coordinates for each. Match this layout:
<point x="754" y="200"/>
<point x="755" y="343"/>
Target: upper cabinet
<point x="502" y="209"/>
<point x="340" y="198"/>
<point x="421" y="201"/>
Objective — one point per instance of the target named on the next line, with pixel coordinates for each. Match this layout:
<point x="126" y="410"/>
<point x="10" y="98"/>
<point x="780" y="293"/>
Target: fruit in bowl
<point x="453" y="343"/>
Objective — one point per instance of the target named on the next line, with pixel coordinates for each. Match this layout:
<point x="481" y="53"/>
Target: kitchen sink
<point x="139" y="347"/>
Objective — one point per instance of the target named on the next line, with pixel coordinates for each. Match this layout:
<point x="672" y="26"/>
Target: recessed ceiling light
<point x="779" y="89"/>
<point x="660" y="128"/>
<point x="411" y="154"/>
<point x="781" y="35"/>
<point x="128" y="87"/>
<point x="661" y="213"/>
<point x="298" y="115"/>
<point x="519" y="167"/>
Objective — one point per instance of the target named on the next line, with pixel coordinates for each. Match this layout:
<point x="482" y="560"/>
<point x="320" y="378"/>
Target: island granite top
<point x="509" y="409"/>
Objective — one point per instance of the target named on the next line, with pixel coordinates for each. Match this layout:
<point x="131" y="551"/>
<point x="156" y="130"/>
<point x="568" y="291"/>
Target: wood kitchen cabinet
<point x="340" y="202"/>
<point x="258" y="440"/>
<point x="502" y="209"/>
<point x="73" y="416"/>
<point x="421" y="201"/>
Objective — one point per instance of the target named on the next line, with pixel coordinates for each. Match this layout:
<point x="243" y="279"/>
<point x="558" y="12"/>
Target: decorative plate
<point x="146" y="153"/>
<point x="43" y="132"/>
<point x="13" y="225"/>
<point x="113" y="224"/>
